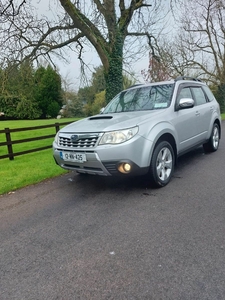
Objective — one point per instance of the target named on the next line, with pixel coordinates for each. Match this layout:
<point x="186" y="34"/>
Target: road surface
<point x="85" y="237"/>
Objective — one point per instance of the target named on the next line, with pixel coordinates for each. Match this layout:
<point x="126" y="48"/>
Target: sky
<point x="71" y="71"/>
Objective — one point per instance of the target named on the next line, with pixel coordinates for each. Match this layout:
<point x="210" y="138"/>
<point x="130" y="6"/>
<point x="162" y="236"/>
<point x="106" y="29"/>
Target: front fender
<point x="154" y="134"/>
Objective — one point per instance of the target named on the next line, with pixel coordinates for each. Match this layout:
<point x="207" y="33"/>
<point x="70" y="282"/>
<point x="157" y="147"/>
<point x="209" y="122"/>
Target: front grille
<point x="82" y="141"/>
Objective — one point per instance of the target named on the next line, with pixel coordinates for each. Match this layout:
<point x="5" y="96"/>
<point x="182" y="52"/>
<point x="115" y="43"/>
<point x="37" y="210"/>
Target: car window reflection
<point x="144" y="98"/>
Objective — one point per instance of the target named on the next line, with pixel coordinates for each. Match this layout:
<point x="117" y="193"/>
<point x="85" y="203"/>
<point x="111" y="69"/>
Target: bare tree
<point x="197" y="46"/>
<point x="10" y="8"/>
<point x="172" y="59"/>
<point x="203" y="38"/>
<point x="114" y="28"/>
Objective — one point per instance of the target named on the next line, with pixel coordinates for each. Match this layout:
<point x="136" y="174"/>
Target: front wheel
<point x="213" y="143"/>
<point x="162" y="164"/>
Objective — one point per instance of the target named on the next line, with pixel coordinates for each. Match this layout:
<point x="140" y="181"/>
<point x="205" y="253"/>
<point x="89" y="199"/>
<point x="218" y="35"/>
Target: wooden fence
<point x="9" y="142"/>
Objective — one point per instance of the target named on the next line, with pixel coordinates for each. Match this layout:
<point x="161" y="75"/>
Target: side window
<point x="209" y="94"/>
<point x="185" y="93"/>
<point x="199" y="95"/>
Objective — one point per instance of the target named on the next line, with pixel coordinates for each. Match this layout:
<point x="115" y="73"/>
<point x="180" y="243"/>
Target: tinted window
<point x="143" y="98"/>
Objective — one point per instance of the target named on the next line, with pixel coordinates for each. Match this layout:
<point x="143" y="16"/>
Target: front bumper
<point x="105" y="159"/>
<point x="93" y="165"/>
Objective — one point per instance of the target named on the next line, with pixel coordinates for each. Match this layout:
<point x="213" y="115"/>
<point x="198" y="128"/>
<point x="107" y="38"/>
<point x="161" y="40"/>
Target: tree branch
<point x="15" y="11"/>
<point x="100" y="7"/>
<point x="126" y="14"/>
<point x="88" y="29"/>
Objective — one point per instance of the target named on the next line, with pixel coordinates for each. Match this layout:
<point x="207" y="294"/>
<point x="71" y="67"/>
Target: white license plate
<point x="74" y="157"/>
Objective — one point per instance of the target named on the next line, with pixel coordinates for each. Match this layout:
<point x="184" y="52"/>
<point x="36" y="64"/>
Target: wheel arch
<point x="168" y="137"/>
<point x="162" y="167"/>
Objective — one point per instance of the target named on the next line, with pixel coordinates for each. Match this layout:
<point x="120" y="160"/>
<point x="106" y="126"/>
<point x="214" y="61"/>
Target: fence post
<point x="9" y="143"/>
<point x="57" y="127"/>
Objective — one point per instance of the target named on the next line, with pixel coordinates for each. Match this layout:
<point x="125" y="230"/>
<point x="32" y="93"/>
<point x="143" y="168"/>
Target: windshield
<point x="142" y="98"/>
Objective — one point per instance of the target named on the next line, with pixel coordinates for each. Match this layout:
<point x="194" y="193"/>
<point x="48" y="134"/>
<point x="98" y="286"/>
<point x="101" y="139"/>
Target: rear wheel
<point x="213" y="143"/>
<point x="162" y="164"/>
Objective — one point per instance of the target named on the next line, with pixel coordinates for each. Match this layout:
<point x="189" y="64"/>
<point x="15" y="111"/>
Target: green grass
<point x="29" y="168"/>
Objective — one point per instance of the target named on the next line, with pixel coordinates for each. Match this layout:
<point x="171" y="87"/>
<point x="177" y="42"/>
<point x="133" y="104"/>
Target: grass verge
<point x="28" y="168"/>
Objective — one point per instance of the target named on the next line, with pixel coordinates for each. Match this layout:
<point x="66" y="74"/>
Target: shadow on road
<point x="123" y="183"/>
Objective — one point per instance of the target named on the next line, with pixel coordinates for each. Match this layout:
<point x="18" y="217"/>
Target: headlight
<point x="57" y="138"/>
<point x="118" y="137"/>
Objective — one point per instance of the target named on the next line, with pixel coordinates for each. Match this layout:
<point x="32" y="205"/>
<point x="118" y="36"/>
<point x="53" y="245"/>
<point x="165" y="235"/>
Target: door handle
<point x="197" y="113"/>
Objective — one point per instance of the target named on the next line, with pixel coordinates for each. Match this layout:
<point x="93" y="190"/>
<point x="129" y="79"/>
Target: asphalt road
<point x="84" y="237"/>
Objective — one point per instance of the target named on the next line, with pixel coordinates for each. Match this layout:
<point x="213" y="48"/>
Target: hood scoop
<point x="100" y="118"/>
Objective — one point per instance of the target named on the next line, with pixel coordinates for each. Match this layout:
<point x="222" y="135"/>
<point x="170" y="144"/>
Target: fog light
<point x="127" y="167"/>
<point x="124" y="168"/>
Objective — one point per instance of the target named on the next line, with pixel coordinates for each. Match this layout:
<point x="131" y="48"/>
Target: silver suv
<point x="142" y="131"/>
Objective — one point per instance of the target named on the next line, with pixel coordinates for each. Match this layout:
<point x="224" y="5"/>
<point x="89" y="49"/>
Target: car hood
<point x="111" y="122"/>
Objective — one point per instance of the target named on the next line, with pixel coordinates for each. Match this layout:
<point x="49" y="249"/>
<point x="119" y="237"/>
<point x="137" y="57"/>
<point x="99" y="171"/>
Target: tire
<point x="213" y="143"/>
<point x="162" y="164"/>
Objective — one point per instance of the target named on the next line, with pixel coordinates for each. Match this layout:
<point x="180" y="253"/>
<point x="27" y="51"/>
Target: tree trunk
<point x="114" y="74"/>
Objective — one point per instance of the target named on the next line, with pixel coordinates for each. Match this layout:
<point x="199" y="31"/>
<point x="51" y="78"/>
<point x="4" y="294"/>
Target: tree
<point x="48" y="92"/>
<point x="86" y="96"/>
<point x="99" y="102"/>
<point x="198" y="49"/>
<point x="72" y="106"/>
<point x="17" y="92"/>
<point x="204" y="36"/>
<point x="18" y="79"/>
<point x="27" y="109"/>
<point x="157" y="70"/>
<point x="98" y="80"/>
<point x="29" y="94"/>
<point x="106" y="25"/>
<point x="10" y="9"/>
<point x="94" y="96"/>
<point x="220" y="95"/>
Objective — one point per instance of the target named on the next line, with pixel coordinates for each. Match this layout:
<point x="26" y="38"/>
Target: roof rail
<point x="137" y="84"/>
<point x="187" y="78"/>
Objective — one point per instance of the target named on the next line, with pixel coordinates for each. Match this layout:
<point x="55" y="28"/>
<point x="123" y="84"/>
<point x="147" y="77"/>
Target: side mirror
<point x="186" y="103"/>
<point x="101" y="110"/>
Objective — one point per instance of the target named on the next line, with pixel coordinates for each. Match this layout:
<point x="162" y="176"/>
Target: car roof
<point x="150" y="84"/>
<point x="180" y="79"/>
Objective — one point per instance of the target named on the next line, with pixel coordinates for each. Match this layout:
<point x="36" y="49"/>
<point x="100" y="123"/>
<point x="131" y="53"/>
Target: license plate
<point x="74" y="157"/>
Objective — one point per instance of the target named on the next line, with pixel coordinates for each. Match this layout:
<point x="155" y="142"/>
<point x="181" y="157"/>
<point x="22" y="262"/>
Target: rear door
<point x="204" y="111"/>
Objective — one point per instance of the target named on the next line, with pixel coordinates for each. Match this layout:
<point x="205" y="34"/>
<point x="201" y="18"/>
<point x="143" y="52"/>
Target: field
<point x="29" y="168"/>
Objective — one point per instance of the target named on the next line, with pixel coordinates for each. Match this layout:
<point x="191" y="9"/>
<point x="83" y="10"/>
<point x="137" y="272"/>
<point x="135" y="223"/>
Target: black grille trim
<point x="83" y="141"/>
<point x="111" y="167"/>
